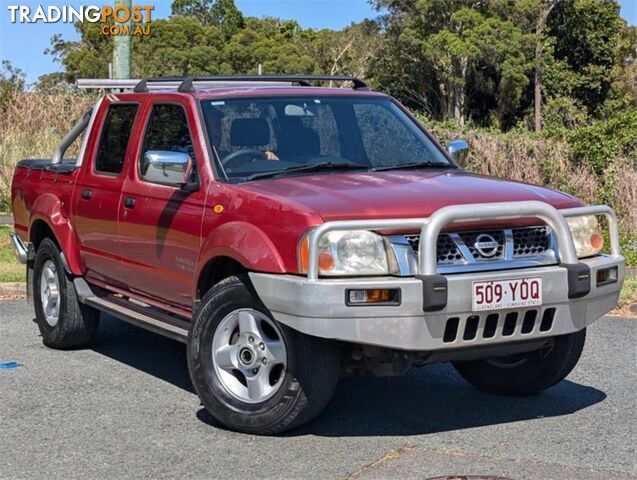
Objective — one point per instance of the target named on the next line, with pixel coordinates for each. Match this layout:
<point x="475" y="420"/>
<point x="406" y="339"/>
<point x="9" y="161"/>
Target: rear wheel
<point x="62" y="320"/>
<point x="251" y="373"/>
<point x="528" y="373"/>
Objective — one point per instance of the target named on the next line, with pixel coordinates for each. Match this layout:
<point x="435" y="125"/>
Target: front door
<point x="160" y="225"/>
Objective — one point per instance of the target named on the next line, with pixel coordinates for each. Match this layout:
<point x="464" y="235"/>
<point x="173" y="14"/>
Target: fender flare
<point x="48" y="208"/>
<point x="244" y="243"/>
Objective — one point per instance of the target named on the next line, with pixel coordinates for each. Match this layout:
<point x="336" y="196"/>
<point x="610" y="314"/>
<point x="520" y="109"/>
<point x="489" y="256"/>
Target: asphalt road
<point x="125" y="408"/>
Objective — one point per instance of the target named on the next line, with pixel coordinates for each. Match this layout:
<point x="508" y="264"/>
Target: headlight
<point x="587" y="235"/>
<point x="351" y="252"/>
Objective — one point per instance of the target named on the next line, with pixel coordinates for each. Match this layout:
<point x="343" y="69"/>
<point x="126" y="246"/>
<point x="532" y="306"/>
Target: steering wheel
<point x="237" y="157"/>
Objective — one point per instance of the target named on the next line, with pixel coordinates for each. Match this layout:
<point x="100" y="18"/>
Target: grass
<point x="10" y="269"/>
<point x="629" y="292"/>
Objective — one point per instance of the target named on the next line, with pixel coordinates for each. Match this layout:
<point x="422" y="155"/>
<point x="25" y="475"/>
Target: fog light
<point x="370" y="296"/>
<point x="606" y="276"/>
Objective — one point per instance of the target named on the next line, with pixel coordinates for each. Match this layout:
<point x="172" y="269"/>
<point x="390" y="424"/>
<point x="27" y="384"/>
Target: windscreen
<point x="251" y="136"/>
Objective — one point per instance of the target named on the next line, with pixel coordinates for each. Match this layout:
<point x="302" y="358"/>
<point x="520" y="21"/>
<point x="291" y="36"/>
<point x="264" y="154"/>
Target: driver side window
<point x="167" y="130"/>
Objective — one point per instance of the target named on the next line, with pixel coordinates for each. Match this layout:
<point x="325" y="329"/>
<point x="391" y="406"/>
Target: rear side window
<point x="114" y="138"/>
<point x="168" y="130"/>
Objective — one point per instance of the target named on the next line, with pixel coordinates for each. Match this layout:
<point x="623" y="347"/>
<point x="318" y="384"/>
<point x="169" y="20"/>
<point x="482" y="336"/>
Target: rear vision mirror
<point x="167" y="168"/>
<point x="293" y="110"/>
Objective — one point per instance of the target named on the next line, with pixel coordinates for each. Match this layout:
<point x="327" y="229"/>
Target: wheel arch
<point x="232" y="248"/>
<point x="49" y="221"/>
<point x="217" y="269"/>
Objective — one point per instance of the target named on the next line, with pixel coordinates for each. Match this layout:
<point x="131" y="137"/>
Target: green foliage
<point x="474" y="60"/>
<point x="604" y="142"/>
<point x="590" y="37"/>
<point x="11" y="80"/>
<point x="10" y="269"/>
<point x="222" y="13"/>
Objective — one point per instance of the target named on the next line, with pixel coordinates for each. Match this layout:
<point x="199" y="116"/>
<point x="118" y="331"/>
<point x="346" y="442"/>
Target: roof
<point x="224" y="86"/>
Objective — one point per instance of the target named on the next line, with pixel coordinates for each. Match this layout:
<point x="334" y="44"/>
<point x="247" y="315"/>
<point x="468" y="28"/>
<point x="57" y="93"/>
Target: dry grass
<point x="31" y="126"/>
<point x="546" y="161"/>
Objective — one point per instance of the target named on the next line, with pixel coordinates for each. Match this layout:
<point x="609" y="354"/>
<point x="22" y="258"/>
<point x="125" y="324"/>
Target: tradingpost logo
<point x="118" y="20"/>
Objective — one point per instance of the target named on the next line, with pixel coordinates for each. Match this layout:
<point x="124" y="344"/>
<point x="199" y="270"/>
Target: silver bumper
<point x="19" y="248"/>
<point x="319" y="309"/>
<point x="316" y="306"/>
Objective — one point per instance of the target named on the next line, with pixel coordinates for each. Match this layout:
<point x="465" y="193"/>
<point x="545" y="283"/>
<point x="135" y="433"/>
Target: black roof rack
<point x="187" y="83"/>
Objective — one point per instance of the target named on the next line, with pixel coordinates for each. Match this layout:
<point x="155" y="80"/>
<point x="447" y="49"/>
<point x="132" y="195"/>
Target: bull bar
<point x="429" y="302"/>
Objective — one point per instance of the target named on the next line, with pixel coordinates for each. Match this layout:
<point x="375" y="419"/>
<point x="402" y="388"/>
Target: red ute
<point x="288" y="233"/>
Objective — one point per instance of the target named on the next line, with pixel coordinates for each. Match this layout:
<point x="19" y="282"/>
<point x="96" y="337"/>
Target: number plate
<point x="496" y="295"/>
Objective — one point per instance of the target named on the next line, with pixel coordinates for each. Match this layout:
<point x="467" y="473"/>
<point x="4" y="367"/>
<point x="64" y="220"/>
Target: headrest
<point x="253" y="132"/>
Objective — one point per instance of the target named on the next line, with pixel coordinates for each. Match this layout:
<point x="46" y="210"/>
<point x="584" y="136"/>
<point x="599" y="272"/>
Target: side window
<point x="168" y="130"/>
<point x="114" y="138"/>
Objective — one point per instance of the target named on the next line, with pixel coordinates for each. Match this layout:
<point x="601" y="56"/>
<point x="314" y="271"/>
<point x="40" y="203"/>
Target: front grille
<point x="494" y="325"/>
<point x="447" y="250"/>
<point x="526" y="242"/>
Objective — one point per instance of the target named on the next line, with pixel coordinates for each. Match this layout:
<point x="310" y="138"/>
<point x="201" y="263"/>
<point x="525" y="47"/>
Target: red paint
<point x="157" y="250"/>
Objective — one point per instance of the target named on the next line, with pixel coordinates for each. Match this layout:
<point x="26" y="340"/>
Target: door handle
<point x="129" y="202"/>
<point x="87" y="194"/>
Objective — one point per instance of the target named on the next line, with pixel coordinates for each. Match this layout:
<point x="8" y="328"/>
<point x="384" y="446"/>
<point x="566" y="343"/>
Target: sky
<point x="24" y="44"/>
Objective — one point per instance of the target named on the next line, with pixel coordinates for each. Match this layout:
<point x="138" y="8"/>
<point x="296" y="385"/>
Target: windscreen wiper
<point x="413" y="165"/>
<point x="313" y="167"/>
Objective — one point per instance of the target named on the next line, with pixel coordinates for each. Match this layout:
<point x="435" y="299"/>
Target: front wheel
<point x="526" y="373"/>
<point x="251" y="373"/>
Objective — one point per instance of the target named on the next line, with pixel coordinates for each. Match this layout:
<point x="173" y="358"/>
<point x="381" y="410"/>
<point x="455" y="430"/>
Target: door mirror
<point x="167" y="168"/>
<point x="458" y="150"/>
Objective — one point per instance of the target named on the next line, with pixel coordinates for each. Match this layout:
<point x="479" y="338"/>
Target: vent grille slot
<point x="503" y="325"/>
<point x="451" y="330"/>
<point x="547" y="320"/>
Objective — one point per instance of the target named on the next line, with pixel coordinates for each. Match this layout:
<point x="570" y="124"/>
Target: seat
<point x="249" y="132"/>
<point x="298" y="141"/>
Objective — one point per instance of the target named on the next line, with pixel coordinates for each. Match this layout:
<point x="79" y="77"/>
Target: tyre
<point x="528" y="373"/>
<point x="62" y="320"/>
<point x="251" y="373"/>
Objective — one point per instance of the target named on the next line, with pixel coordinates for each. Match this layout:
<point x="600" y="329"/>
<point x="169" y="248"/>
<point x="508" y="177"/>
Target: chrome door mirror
<point x="167" y="168"/>
<point x="458" y="150"/>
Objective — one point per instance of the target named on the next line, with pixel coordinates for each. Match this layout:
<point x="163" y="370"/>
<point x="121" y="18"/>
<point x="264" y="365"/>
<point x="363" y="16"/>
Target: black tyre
<point x="528" y="373"/>
<point x="62" y="320"/>
<point x="251" y="373"/>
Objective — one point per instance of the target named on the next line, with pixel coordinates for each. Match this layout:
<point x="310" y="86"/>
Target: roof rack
<point x="186" y="84"/>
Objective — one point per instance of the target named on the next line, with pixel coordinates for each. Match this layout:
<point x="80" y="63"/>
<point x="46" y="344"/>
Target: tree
<point x="222" y="13"/>
<point x="444" y="50"/>
<point x="589" y="37"/>
<point x="543" y="11"/>
<point x="12" y="79"/>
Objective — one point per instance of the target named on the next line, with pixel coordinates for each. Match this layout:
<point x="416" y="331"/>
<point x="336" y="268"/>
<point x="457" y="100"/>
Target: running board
<point x="133" y="313"/>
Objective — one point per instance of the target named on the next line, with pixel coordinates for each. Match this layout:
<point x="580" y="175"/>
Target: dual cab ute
<point x="290" y="233"/>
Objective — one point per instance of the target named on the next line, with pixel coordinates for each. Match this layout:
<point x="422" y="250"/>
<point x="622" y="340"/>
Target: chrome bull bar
<point x="430" y="228"/>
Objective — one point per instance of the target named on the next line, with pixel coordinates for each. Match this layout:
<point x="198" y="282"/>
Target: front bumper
<point x="435" y="311"/>
<point x="319" y="309"/>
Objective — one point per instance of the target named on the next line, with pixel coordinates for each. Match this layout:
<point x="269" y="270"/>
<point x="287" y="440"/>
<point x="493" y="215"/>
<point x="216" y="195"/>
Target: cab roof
<point x="224" y="86"/>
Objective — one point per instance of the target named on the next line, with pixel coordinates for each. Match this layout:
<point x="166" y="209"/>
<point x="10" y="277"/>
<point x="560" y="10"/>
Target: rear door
<point x="98" y="191"/>
<point x="160" y="225"/>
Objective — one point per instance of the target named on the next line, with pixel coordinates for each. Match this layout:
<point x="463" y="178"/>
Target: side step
<point x="148" y="318"/>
